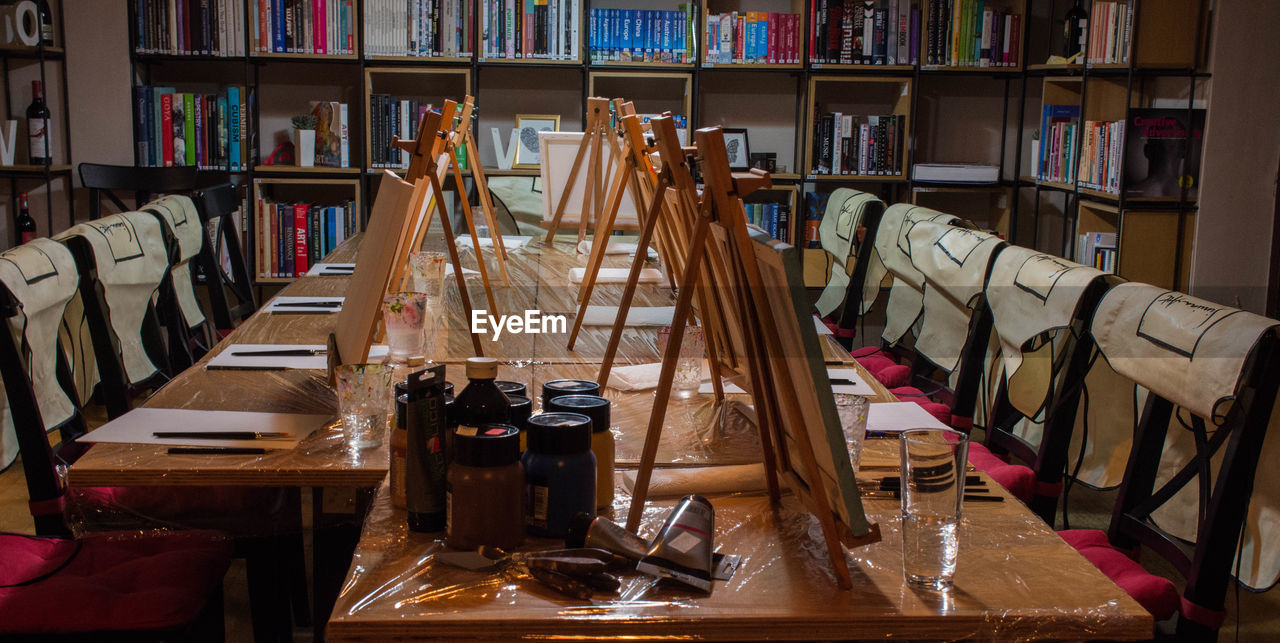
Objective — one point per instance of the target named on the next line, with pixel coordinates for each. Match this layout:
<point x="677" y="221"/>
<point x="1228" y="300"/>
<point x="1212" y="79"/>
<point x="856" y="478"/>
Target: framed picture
<point x="735" y="144"/>
<point x="527" y="128"/>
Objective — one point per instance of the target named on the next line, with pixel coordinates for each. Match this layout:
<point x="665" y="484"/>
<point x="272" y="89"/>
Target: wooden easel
<point x="594" y="138"/>
<point x="425" y="152"/>
<point x="721" y="207"/>
<point x="463" y="137"/>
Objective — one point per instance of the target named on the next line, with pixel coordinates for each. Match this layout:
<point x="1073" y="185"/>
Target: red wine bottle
<point x="38" y="126"/>
<point x="1075" y="30"/>
<point x="25" y="225"/>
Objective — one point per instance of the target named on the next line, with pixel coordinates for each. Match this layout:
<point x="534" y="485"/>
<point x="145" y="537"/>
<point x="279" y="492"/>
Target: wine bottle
<point x="25" y="225"/>
<point x="1074" y="30"/>
<point x="38" y="126"/>
<point x="481" y="402"/>
<point x="46" y="23"/>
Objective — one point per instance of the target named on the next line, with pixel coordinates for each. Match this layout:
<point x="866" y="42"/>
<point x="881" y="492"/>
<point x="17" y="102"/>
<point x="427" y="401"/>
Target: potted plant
<point x="304" y="140"/>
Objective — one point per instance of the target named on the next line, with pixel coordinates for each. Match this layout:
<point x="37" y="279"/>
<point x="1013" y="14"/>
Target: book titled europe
<point x="1162" y="152"/>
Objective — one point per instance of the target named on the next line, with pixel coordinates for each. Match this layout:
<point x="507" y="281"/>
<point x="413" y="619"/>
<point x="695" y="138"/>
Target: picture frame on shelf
<point x="738" y="148"/>
<point x="527" y="128"/>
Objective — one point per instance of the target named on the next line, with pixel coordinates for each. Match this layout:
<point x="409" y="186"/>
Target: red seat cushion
<point x="242" y="511"/>
<point x="1158" y="595"/>
<point x="108" y="582"/>
<point x="1018" y="479"/>
<point x="913" y="394"/>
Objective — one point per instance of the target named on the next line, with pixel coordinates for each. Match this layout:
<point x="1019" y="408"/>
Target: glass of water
<point x="689" y="367"/>
<point x="404" y="315"/>
<point x="933" y="468"/>
<point x="364" y="401"/>
<point x="852" y="410"/>
<point x="427" y="272"/>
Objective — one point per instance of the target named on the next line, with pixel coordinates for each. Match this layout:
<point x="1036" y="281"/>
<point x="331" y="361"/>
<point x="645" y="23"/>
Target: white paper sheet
<point x="615" y="275"/>
<point x="282" y="305"/>
<point x="820" y="327"/>
<point x="138" y="425"/>
<point x="509" y="241"/>
<point x="859" y="386"/>
<point x="894" y="417"/>
<point x="229" y="360"/>
<point x="616" y="248"/>
<point x="336" y="269"/>
<point x="636" y="315"/>
<point x="448" y="270"/>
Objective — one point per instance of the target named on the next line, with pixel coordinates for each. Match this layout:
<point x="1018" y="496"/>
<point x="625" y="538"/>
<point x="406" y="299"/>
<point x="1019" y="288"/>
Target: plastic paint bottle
<point x="560" y="472"/>
<point x="486" y="488"/>
<point x="602" y="445"/>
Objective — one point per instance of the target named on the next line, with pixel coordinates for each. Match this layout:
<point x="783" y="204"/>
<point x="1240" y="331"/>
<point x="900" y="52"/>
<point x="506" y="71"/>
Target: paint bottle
<point x="511" y="388"/>
<point x="400" y="440"/>
<point x="521" y="409"/>
<point x="596" y="408"/>
<point x="425" y="471"/>
<point x="560" y="472"/>
<point x="556" y="388"/>
<point x="486" y="488"/>
<point x="481" y="401"/>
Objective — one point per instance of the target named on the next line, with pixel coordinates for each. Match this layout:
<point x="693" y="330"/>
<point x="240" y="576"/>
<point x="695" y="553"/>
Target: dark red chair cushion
<point x="241" y="511"/>
<point x="108" y="582"/>
<point x="913" y="394"/>
<point x="1018" y="479"/>
<point x="1158" y="595"/>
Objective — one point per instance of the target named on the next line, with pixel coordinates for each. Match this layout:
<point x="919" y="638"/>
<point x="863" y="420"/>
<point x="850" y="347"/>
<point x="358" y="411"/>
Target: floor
<point x="1251" y="617"/>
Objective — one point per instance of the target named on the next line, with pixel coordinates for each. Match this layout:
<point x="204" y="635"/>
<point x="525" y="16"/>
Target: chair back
<point x="106" y="180"/>
<point x="122" y="260"/>
<point x="1041" y="306"/>
<point x="221" y="261"/>
<point x="892" y="257"/>
<point x="37" y="280"/>
<point x="1190" y="474"/>
<point x="848" y="290"/>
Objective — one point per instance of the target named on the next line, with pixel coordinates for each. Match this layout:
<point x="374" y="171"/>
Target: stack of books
<point x="1100" y="157"/>
<point x="207" y="130"/>
<point x="847" y="144"/>
<point x="1098" y="249"/>
<point x="529" y="29"/>
<point x="772" y="217"/>
<point x="390" y="117"/>
<point x="190" y="27"/>
<point x="333" y="135"/>
<point x="641" y="35"/>
<point x="1110" y="29"/>
<point x="1058" y="127"/>
<point x="422" y="28"/>
<point x="864" y="32"/>
<point x="294" y="236"/>
<point x="325" y="27"/>
<point x="971" y="33"/>
<point x="753" y="37"/>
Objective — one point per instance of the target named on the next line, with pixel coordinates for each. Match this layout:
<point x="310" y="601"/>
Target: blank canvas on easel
<point x="557" y="150"/>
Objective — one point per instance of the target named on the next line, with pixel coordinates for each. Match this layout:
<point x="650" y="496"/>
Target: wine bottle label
<point x="37" y="130"/>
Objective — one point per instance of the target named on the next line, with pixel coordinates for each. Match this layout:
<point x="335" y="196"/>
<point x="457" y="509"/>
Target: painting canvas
<point x="527" y="128"/>
<point x="560" y="148"/>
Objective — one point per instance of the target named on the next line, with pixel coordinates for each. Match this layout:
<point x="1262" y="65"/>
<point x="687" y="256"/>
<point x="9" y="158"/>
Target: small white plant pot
<point x="304" y="147"/>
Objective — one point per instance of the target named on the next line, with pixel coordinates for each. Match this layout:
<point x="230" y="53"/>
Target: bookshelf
<point x="309" y="191"/>
<point x="778" y="103"/>
<point x="864" y="98"/>
<point x="46" y="64"/>
<point x="410" y="87"/>
<point x="785" y="28"/>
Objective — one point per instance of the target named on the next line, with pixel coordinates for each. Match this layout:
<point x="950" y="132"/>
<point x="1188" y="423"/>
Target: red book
<point x="772" y="47"/>
<point x="166" y="128"/>
<point x="321" y="26"/>
<point x="1014" y="34"/>
<point x="813" y="27"/>
<point x="739" y="39"/>
<point x="300" y="211"/>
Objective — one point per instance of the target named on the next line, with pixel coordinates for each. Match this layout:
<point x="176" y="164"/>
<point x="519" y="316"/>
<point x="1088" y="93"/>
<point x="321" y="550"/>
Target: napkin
<point x="675" y="482"/>
<point x="615" y="275"/>
<point x="636" y="315"/>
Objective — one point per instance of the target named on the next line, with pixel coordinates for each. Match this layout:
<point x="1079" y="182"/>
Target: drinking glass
<point x="364" y="401"/>
<point x="404" y="314"/>
<point x="852" y="410"/>
<point x="933" y="467"/>
<point x="689" y="367"/>
<point x="427" y="270"/>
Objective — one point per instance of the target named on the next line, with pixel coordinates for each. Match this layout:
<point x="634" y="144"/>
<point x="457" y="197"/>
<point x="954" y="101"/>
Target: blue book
<point x="330" y="229"/>
<point x="142" y="127"/>
<point x="653" y="44"/>
<point x="277" y="26"/>
<point x="233" y="126"/>
<point x="592" y="34"/>
<point x="639" y="39"/>
<point x="624" y="45"/>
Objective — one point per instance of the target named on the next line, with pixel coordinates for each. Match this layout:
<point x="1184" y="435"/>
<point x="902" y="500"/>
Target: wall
<point x="98" y="80"/>
<point x="1241" y="156"/>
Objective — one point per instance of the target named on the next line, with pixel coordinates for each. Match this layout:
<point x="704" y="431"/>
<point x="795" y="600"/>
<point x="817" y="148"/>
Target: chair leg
<point x="293" y="546"/>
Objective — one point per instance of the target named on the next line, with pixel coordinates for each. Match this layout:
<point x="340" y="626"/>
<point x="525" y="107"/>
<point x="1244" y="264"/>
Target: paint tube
<point x="586" y="530"/>
<point x="682" y="550"/>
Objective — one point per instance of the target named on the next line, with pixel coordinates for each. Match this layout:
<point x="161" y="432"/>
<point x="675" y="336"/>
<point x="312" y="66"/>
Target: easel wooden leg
<point x="471" y="227"/>
<point x="568" y="186"/>
<point x="482" y="189"/>
<point x="591" y="201"/>
<point x="451" y="244"/>
<point x="599" y="246"/>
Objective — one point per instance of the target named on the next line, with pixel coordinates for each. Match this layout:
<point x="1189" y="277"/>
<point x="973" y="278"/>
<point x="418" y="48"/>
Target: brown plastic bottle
<point x="486" y="488"/>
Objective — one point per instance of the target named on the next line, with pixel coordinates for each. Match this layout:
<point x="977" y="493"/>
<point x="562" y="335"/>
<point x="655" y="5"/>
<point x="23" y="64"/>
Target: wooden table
<point x="1015" y="579"/>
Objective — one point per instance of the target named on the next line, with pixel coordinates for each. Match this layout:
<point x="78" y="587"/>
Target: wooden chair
<point x="217" y="206"/>
<point x="105" y="180"/>
<point x="1041" y="307"/>
<point x="1212" y="372"/>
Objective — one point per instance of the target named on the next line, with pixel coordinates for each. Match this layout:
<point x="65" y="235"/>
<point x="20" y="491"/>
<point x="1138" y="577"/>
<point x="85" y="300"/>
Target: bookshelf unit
<point x="1001" y="102"/>
<point x="46" y="64"/>
<point x="429" y="86"/>
<point x="314" y="191"/>
<point x="798" y="26"/>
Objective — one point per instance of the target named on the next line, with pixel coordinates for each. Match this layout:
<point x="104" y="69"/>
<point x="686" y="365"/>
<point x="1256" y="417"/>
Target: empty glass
<point x="364" y="401"/>
<point x="404" y="315"/>
<point x="933" y="468"/>
<point x="852" y="410"/>
<point x="427" y="272"/>
<point x="689" y="367"/>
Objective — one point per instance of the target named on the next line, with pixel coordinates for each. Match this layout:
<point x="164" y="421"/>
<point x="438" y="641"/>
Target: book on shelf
<point x="1110" y="31"/>
<point x="205" y="130"/>
<point x="333" y="134"/>
<point x="849" y="144"/>
<point x="317" y="27"/>
<point x="1100" y="163"/>
<point x="815" y="205"/>
<point x="294" y="236"/>
<point x="681" y="123"/>
<point x="753" y="37"/>
<point x="772" y="217"/>
<point x="1162" y="152"/>
<point x="955" y="173"/>
<point x="971" y="33"/>
<point x="189" y="27"/>
<point x="390" y="117"/>
<point x="529" y="29"/>
<point x="864" y="32"/>
<point x="1097" y="249"/>
<point x="1058" y="125"/>
<point x="641" y="35"/>
<point x="420" y="28"/>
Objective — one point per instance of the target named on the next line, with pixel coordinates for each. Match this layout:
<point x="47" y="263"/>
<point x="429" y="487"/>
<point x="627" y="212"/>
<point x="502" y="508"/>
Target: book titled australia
<point x="1162" y="152"/>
